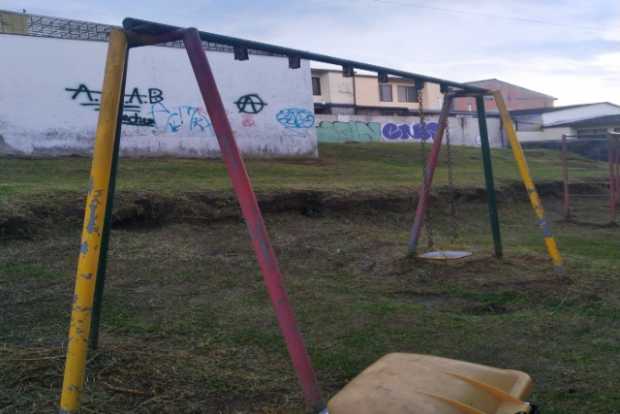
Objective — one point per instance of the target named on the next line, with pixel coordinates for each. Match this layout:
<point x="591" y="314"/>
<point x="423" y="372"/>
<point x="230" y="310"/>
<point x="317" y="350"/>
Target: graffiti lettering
<point x="184" y="117"/>
<point x="337" y="131"/>
<point x="295" y="118"/>
<point x="131" y="101"/>
<point x="137" y="120"/>
<point x="159" y="117"/>
<point x="422" y="131"/>
<point x="250" y="104"/>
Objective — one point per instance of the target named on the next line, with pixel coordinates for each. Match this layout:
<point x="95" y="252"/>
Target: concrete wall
<point x="363" y="128"/>
<point x="12" y="22"/>
<point x="49" y="97"/>
<point x="549" y="134"/>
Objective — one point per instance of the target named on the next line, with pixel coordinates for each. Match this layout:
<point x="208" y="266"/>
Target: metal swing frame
<point x="90" y="275"/>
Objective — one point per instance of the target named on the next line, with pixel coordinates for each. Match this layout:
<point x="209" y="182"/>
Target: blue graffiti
<point x="422" y="131"/>
<point x="295" y="118"/>
<point x="175" y="119"/>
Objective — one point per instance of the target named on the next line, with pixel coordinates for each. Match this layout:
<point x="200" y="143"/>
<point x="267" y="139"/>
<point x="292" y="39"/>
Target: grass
<point x="187" y="325"/>
<point x="372" y="166"/>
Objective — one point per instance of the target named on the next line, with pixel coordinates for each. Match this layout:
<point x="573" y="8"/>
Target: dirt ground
<point x="187" y="326"/>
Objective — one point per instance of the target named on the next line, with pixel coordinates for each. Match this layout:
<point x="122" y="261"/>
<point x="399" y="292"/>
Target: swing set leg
<point x="517" y="151"/>
<point x="265" y="255"/>
<point x="94" y="222"/>
<point x="427" y="180"/>
<point x="488" y="176"/>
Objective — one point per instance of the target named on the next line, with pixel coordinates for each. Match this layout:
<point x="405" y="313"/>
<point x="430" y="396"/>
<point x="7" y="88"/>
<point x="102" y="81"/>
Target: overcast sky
<point x="565" y="48"/>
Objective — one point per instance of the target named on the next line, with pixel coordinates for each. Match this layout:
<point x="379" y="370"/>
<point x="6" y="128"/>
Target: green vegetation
<point x="372" y="166"/>
<point x="187" y="325"/>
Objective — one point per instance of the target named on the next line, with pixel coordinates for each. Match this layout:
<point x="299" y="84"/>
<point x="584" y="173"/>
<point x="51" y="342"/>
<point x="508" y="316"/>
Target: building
<point x="334" y="93"/>
<point x="516" y="97"/>
<point x="584" y="121"/>
<point x="361" y="109"/>
<point x="51" y="89"/>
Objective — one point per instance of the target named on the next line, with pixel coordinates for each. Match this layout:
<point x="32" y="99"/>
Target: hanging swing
<point x="431" y="254"/>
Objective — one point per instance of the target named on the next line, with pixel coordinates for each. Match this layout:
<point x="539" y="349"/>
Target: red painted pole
<point x="265" y="255"/>
<point x="425" y="189"/>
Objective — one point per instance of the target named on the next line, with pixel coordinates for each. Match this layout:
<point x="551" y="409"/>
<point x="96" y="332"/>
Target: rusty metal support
<point x="427" y="180"/>
<point x="265" y="255"/>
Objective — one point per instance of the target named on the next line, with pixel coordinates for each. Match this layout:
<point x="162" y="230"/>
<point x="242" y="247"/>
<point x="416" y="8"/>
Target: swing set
<point x="396" y="383"/>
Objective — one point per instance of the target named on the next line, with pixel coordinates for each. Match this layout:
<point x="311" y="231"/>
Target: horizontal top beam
<point x="157" y="29"/>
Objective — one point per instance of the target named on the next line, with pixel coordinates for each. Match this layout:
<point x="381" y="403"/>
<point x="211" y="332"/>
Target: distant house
<point x="362" y="94"/>
<point x="516" y="97"/>
<point x="584" y="121"/>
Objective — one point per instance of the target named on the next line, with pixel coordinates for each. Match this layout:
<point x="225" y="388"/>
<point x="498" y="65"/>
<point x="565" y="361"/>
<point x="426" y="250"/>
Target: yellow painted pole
<point x="517" y="151"/>
<point x="96" y="202"/>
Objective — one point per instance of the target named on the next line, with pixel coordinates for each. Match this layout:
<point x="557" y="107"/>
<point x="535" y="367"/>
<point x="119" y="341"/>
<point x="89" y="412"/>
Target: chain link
<point x="451" y="190"/>
<point x="427" y="222"/>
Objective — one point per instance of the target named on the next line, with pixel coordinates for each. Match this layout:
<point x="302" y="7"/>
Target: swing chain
<point x="451" y="189"/>
<point x="427" y="216"/>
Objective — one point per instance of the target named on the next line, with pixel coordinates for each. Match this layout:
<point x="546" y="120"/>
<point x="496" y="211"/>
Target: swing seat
<point x="445" y="255"/>
<point x="422" y="384"/>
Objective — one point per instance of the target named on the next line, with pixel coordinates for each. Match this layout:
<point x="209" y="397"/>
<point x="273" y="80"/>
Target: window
<point x="316" y="86"/>
<point x="385" y="92"/>
<point x="406" y="94"/>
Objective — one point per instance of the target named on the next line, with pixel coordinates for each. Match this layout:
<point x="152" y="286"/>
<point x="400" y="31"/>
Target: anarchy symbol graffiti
<point x="250" y="104"/>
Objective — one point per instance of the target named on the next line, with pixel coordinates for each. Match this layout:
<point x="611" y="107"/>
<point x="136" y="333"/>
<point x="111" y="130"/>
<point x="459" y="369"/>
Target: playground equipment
<point x="414" y="383"/>
<point x="570" y="200"/>
<point x="440" y="255"/>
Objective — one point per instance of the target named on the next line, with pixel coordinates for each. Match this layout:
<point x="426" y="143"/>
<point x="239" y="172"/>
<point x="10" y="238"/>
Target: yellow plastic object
<point x="422" y="384"/>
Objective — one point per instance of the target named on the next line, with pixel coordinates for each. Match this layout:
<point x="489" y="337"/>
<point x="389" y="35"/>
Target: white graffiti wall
<point x="463" y="129"/>
<point x="50" y="92"/>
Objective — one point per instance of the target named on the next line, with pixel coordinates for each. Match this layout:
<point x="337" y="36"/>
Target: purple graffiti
<point x="422" y="131"/>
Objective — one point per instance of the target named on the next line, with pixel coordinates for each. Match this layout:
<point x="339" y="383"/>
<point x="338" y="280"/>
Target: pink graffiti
<point x="248" y="121"/>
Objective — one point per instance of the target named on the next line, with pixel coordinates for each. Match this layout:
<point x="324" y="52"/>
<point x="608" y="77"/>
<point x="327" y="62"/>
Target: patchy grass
<point x="350" y="167"/>
<point x="187" y="325"/>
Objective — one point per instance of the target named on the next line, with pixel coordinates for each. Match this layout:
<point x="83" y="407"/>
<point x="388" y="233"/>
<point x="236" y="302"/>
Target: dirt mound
<point x="144" y="209"/>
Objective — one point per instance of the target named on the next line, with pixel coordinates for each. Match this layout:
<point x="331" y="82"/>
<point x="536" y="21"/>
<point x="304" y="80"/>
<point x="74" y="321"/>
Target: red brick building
<point x="516" y="97"/>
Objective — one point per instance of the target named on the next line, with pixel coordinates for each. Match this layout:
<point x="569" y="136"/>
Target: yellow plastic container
<point x="422" y="384"/>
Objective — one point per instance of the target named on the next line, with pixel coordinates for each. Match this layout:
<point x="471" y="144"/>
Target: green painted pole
<point x="488" y="175"/>
<point x="107" y="223"/>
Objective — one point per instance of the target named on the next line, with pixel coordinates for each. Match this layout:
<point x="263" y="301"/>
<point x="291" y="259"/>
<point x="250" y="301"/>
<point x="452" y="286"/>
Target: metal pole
<point x="566" y="195"/>
<point x="107" y="224"/>
<point x="488" y="176"/>
<point x="265" y="255"/>
<point x="617" y="168"/>
<point x="91" y="244"/>
<point x="517" y="151"/>
<point x="427" y="180"/>
<point x="612" y="181"/>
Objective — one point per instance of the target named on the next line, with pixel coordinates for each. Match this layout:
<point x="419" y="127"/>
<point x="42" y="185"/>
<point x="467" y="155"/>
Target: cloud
<point x="565" y="48"/>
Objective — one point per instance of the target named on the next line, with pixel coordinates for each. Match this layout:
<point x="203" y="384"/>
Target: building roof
<point x="360" y="75"/>
<point x="543" y="110"/>
<point x="599" y="121"/>
<point x="482" y="81"/>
